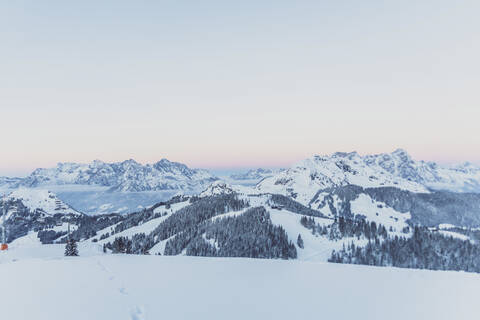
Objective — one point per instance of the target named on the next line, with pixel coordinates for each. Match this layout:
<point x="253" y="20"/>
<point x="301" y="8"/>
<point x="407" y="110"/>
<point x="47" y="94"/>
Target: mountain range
<point x="127" y="176"/>
<point x="341" y="208"/>
<point x="255" y="174"/>
<point x="127" y="186"/>
<point x="397" y="169"/>
<point x="393" y="191"/>
<point x="122" y="187"/>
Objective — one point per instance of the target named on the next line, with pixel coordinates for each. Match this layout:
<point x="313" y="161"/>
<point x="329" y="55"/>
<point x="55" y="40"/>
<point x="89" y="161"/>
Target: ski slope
<point x="39" y="283"/>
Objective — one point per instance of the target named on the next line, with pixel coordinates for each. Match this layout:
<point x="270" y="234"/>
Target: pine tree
<point x="71" y="249"/>
<point x="300" y="241"/>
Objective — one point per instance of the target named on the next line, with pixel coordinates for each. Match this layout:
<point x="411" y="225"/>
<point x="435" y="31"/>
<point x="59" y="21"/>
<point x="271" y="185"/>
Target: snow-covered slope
<point x="38" y="200"/>
<point x="7" y="181"/>
<point x="398" y="218"/>
<point x="459" y="178"/>
<point x="398" y="170"/>
<point x="163" y="211"/>
<point x="222" y="187"/>
<point x="37" y="216"/>
<point x="400" y="206"/>
<point x="95" y="200"/>
<point x="255" y="174"/>
<point x="122" y="176"/>
<point x="102" y="188"/>
<point x="231" y="224"/>
<point x="95" y="286"/>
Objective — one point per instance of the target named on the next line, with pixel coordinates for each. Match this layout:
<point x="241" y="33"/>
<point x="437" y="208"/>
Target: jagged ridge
<point x="397" y="169"/>
<point x="128" y="175"/>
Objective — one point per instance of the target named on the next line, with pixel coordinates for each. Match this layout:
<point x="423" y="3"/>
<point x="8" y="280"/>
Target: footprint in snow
<point x="123" y="291"/>
<point x="138" y="313"/>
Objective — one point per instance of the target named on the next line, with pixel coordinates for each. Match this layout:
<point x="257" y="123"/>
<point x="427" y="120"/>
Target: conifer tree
<point x="300" y="241"/>
<point x="71" y="249"/>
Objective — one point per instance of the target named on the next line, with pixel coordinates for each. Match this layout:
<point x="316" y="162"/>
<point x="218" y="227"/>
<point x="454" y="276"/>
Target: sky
<point x="236" y="84"/>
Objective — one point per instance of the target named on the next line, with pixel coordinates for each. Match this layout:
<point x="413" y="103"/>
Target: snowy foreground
<point x="39" y="283"/>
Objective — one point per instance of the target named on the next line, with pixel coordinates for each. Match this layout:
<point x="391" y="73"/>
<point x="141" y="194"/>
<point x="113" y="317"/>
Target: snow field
<point x="132" y="287"/>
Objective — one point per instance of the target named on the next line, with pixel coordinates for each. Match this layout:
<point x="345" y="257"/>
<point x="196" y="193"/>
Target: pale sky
<point x="225" y="84"/>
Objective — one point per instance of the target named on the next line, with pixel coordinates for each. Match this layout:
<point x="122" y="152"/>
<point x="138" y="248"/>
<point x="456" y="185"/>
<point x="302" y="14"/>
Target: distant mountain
<point x="393" y="207"/>
<point x="255" y="174"/>
<point x="122" y="176"/>
<point x="437" y="230"/>
<point x="28" y="210"/>
<point x="216" y="188"/>
<point x="43" y="202"/>
<point x="398" y="169"/>
<point x="348" y="224"/>
<point x="459" y="178"/>
<point x="7" y="181"/>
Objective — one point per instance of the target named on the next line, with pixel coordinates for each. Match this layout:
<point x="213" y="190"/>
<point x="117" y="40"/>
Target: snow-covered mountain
<point x="123" y="187"/>
<point x="399" y="208"/>
<point x="255" y="174"/>
<point x="459" y="178"/>
<point x="222" y="187"/>
<point x="218" y="187"/>
<point x="39" y="211"/>
<point x="6" y="181"/>
<point x="128" y="175"/>
<point x="233" y="224"/>
<point x="38" y="200"/>
<point x="398" y="169"/>
<point x="224" y="222"/>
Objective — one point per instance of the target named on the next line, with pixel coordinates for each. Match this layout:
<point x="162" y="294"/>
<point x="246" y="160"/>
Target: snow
<point x="316" y="248"/>
<point x="128" y="175"/>
<point x="44" y="285"/>
<point x="173" y="207"/>
<point x="30" y="240"/>
<point x="251" y="177"/>
<point x="159" y="248"/>
<point x="63" y="227"/>
<point x="230" y="214"/>
<point x="446" y="226"/>
<point x="41" y="199"/>
<point x="454" y="235"/>
<point x="222" y="187"/>
<point x="380" y="213"/>
<point x="304" y="179"/>
<point x="146" y="227"/>
<point x="99" y="188"/>
<point x="92" y="200"/>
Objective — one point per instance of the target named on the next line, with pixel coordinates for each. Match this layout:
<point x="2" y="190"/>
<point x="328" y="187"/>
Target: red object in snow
<point x="4" y="247"/>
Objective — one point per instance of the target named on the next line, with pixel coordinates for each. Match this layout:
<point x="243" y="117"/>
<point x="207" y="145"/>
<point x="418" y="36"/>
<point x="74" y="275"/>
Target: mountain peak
<point x="255" y="174"/>
<point x="130" y="162"/>
<point x="401" y="153"/>
<point x="349" y="155"/>
<point x="217" y="187"/>
<point x="98" y="162"/>
<point x="128" y="175"/>
<point x="40" y="199"/>
<point x="396" y="169"/>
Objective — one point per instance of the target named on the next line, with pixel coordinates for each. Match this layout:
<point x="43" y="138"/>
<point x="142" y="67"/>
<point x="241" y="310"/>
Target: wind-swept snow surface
<point x="116" y="287"/>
